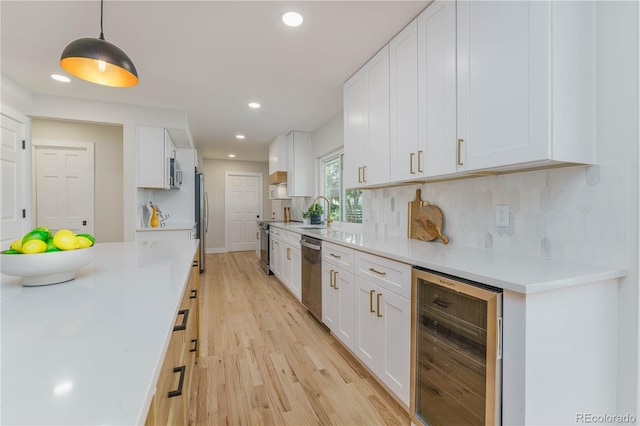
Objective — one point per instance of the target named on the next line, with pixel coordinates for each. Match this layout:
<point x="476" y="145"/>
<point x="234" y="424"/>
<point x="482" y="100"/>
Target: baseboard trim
<point x="216" y="250"/>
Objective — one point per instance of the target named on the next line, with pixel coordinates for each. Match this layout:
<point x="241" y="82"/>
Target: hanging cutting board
<point x="429" y="221"/>
<point x="414" y="206"/>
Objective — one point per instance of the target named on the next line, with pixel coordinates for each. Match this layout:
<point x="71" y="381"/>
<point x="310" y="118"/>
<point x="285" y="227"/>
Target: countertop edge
<point x="593" y="274"/>
<point x="153" y="385"/>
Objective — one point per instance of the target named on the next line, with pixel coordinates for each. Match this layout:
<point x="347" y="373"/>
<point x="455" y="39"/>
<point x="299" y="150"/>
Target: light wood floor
<point x="264" y="360"/>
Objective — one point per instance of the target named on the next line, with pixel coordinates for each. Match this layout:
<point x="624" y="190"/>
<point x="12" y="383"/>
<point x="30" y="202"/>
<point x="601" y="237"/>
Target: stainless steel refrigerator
<point x="202" y="215"/>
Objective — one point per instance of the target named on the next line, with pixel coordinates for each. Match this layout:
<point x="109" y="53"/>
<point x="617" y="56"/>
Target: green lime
<point x="37" y="234"/>
<point x="87" y="236"/>
<point x="10" y="251"/>
<point x="51" y="247"/>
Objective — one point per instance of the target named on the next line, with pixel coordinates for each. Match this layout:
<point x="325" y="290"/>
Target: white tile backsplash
<point x="573" y="213"/>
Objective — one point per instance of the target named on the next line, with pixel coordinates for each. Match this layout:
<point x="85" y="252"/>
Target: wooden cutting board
<point x="429" y="221"/>
<point x="414" y="206"/>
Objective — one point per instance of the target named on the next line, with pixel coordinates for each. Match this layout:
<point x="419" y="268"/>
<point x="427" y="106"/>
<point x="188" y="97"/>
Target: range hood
<point x="277" y="178"/>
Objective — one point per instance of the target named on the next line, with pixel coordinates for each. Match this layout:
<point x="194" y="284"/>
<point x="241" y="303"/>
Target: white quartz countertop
<point x="89" y="351"/>
<point x="510" y="271"/>
<point x="177" y="226"/>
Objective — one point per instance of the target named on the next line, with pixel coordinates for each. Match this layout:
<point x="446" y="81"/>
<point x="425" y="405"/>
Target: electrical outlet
<point x="502" y="215"/>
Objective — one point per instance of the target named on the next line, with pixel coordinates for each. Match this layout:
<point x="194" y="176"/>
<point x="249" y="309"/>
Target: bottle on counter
<point x="154" y="222"/>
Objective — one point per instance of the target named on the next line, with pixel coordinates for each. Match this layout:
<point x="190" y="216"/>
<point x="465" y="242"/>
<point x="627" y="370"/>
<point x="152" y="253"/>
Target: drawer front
<point x="339" y="256"/>
<point x="388" y="274"/>
<point x="289" y="237"/>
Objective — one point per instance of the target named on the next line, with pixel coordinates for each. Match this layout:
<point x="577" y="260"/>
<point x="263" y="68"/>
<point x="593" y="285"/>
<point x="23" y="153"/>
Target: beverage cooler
<point x="456" y="351"/>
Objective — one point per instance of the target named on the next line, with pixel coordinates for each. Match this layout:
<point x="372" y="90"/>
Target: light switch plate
<point x="502" y="215"/>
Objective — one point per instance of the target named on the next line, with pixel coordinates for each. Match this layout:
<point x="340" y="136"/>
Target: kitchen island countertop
<point x="89" y="351"/>
<point x="510" y="271"/>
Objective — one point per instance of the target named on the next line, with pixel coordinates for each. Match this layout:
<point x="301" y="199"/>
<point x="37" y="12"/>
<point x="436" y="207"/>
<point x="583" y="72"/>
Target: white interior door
<point x="243" y="209"/>
<point x="13" y="197"/>
<point x="64" y="178"/>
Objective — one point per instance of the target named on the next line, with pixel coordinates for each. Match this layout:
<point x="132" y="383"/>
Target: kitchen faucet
<point x="329" y="220"/>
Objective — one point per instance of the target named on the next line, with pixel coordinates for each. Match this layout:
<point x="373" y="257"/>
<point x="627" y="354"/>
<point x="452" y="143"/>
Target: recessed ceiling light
<point x="254" y="105"/>
<point x="61" y="78"/>
<point x="232" y="156"/>
<point x="239" y="136"/>
<point x="292" y="19"/>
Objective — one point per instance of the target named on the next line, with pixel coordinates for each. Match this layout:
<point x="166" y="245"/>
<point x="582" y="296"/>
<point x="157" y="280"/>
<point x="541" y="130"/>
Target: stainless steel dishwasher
<point x="312" y="275"/>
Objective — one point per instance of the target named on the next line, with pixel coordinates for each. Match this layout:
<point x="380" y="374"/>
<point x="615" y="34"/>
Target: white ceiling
<point x="210" y="58"/>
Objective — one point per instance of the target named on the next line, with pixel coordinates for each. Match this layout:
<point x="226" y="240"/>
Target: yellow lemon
<point x="17" y="245"/>
<point x="34" y="246"/>
<point x="84" y="241"/>
<point x="66" y="240"/>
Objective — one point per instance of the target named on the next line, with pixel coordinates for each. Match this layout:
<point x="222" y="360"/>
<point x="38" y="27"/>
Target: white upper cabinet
<point x="436" y="154"/>
<point x="475" y="86"/>
<point x="366" y="123"/>
<point x="154" y="149"/>
<point x="299" y="171"/>
<point x="403" y="80"/>
<point x="525" y="84"/>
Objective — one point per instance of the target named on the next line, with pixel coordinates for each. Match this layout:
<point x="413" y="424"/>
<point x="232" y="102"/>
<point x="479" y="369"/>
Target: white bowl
<point x="46" y="268"/>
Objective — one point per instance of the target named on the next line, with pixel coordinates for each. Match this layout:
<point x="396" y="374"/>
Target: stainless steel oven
<point x="456" y="351"/>
<point x="264" y="247"/>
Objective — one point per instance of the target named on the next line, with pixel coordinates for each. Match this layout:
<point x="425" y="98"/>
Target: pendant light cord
<point x="101" y="13"/>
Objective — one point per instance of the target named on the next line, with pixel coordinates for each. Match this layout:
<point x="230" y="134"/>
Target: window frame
<point x="336" y="154"/>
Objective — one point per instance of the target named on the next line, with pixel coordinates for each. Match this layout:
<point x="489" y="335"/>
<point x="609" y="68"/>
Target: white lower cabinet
<point x="338" y="299"/>
<point x="286" y="260"/>
<point x="383" y="321"/>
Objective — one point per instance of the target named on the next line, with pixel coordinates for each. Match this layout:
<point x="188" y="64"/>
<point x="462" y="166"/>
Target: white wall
<point x="214" y="181"/>
<point x="108" y="189"/>
<point x="111" y="113"/>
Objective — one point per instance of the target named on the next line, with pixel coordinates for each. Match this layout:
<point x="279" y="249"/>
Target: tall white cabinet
<point x="366" y="123"/>
<point x="525" y="83"/>
<point x="154" y="149"/>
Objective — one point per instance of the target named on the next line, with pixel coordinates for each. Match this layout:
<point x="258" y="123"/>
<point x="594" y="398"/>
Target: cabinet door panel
<point x="377" y="149"/>
<point x="367" y="339"/>
<point x="395" y="344"/>
<point x="345" y="289"/>
<point x="502" y="82"/>
<point x="355" y="128"/>
<point x="329" y="297"/>
<point x="296" y="272"/>
<point x="437" y="89"/>
<point x="403" y="79"/>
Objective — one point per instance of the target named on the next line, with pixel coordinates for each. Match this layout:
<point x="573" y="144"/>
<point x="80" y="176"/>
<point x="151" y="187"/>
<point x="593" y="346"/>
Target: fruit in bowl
<point x="41" y="258"/>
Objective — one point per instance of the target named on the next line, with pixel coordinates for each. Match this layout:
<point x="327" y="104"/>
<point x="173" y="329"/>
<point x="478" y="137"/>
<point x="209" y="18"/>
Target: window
<point x="346" y="204"/>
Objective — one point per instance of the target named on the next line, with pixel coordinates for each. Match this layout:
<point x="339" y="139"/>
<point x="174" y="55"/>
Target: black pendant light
<point x="98" y="61"/>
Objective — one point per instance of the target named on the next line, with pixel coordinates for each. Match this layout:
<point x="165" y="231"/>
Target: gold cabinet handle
<point x="288" y="253"/>
<point x="335" y="279"/>
<point x="460" y="152"/>
<point x="364" y="179"/>
<point x="420" y="162"/>
<point x="359" y="174"/>
<point x="335" y="255"/>
<point x="331" y="282"/>
<point x="411" y="157"/>
<point x="379" y="315"/>
<point x="371" y="300"/>
<point x="378" y="272"/>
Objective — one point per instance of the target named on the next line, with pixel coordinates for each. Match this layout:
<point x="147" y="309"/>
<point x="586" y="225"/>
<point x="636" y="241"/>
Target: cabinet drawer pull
<point x="359" y="174"/>
<point x="364" y="170"/>
<point x="178" y="391"/>
<point x="194" y="294"/>
<point x="377" y="272"/>
<point x="371" y="300"/>
<point x="420" y="162"/>
<point x="185" y="318"/>
<point x="331" y="278"/>
<point x="195" y="263"/>
<point x="460" y="152"/>
<point x="335" y="255"/>
<point x="195" y="345"/>
<point x="379" y="315"/>
<point x="288" y="253"/>
<point x="411" y="157"/>
<point x="335" y="279"/>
